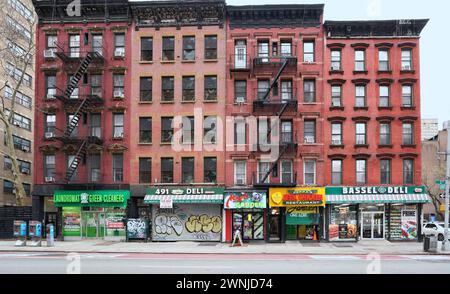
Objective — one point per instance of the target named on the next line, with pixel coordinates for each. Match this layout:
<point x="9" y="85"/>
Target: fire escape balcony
<point x="269" y="182"/>
<point x="240" y="63"/>
<point x="277" y="105"/>
<point x="73" y="56"/>
<point x="93" y="94"/>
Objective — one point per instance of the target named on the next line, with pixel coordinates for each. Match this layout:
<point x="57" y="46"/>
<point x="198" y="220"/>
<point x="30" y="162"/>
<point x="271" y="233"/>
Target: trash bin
<point x="426" y="243"/>
<point x="433" y="244"/>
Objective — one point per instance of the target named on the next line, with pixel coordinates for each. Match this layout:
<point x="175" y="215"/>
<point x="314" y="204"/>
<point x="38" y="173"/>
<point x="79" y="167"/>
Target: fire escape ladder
<point x="79" y="73"/>
<point x="275" y="164"/>
<point x="275" y="80"/>
<point x="76" y="117"/>
<point x="76" y="161"/>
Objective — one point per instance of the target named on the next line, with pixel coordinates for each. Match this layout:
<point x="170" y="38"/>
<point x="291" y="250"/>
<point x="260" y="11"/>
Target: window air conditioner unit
<point x="119" y="53"/>
<point x="51" y="94"/>
<point x="25" y="170"/>
<point x="49" y="135"/>
<point x="49" y="53"/>
<point x="26" y="148"/>
<point x="240" y="100"/>
<point x="119" y="94"/>
<point x="406" y="67"/>
<point x="49" y="179"/>
<point x="240" y="182"/>
<point x="336" y="142"/>
<point x="335" y="68"/>
<point x="336" y="104"/>
<point x="118" y="136"/>
<point x="309" y="140"/>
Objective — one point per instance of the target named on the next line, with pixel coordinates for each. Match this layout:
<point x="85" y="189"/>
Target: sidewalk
<point x="290" y="247"/>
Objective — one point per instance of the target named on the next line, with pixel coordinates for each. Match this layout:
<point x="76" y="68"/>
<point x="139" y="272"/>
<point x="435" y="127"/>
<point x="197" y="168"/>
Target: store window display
<point x="343" y="223"/>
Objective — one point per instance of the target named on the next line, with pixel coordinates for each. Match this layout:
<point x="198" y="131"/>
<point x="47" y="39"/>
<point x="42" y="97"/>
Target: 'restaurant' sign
<point x="310" y="196"/>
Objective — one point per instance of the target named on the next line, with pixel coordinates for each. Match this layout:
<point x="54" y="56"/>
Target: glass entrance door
<point x="372" y="225"/>
<point x="93" y="224"/>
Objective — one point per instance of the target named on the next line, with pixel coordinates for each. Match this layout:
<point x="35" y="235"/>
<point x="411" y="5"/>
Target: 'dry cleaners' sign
<point x="102" y="198"/>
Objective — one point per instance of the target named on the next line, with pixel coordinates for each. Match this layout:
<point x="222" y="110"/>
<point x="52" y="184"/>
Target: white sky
<point x="435" y="63"/>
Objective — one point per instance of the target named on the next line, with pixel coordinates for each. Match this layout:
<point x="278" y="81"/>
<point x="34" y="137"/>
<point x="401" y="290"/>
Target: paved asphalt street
<point x="141" y="263"/>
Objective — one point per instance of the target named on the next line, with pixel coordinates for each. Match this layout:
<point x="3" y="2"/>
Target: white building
<point x="430" y="128"/>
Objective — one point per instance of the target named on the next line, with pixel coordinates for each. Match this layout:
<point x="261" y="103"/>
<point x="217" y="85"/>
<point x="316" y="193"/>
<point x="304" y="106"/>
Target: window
<point x="119" y="45"/>
<point x="309" y="91"/>
<point x="336" y="172"/>
<point x="385" y="134"/>
<point x="146" y="49"/>
<point x="384" y="96"/>
<point x="18" y="51"/>
<point x="20" y="143"/>
<point x="145" y="170"/>
<point x="210" y="170"/>
<point x="240" y="132"/>
<point x="407" y="59"/>
<point x="187" y="170"/>
<point x="263" y="172"/>
<point x="286" y="172"/>
<point x="286" y="132"/>
<point x="8" y="187"/>
<point x="146" y="86"/>
<point x="21" y="98"/>
<point x="407" y="97"/>
<point x="240" y="172"/>
<point x="96" y="125"/>
<point x="97" y="44"/>
<point x="240" y="91"/>
<point x="310" y="131"/>
<point x="308" y="51"/>
<point x="361" y="171"/>
<point x="168" y="49"/>
<point x="167" y="89"/>
<point x="210" y="88"/>
<point x="210" y="47"/>
<point x="188" y="88"/>
<point x="385" y="170"/>
<point x="336" y="96"/>
<point x="383" y="60"/>
<point x="286" y="48"/>
<point x="360" y="133"/>
<point x="336" y="134"/>
<point x="408" y="171"/>
<point x="70" y="160"/>
<point x="117" y="167"/>
<point x="335" y="60"/>
<point x="20" y="121"/>
<point x="188" y="48"/>
<point x="167" y="170"/>
<point x="166" y="129"/>
<point x="118" y="130"/>
<point x="52" y="40"/>
<point x="188" y="130"/>
<point x="50" y="123"/>
<point x="286" y="90"/>
<point x="7" y="163"/>
<point x="407" y="134"/>
<point x="27" y="188"/>
<point x="22" y="9"/>
<point x="97" y="85"/>
<point x="24" y="167"/>
<point x="360" y="60"/>
<point x="145" y="130"/>
<point x="119" y="85"/>
<point x="18" y="28"/>
<point x="74" y="46"/>
<point x="263" y="87"/>
<point x="49" y="166"/>
<point x="94" y="168"/>
<point x="360" y="96"/>
<point x="50" y="86"/>
<point x="309" y="172"/>
<point x="74" y="132"/>
<point x="16" y="73"/>
<point x="210" y="129"/>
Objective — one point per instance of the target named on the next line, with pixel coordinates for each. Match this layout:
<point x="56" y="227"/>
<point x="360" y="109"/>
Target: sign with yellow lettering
<point x="308" y="196"/>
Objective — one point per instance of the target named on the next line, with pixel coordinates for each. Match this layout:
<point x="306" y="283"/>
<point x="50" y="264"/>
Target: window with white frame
<point x="263" y="172"/>
<point x="336" y="133"/>
<point x="309" y="168"/>
<point x="407" y="59"/>
<point x="240" y="172"/>
<point x="286" y="172"/>
<point x="361" y="171"/>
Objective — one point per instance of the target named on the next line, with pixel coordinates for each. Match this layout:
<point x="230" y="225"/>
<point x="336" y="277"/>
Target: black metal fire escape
<point x="82" y="108"/>
<point x="284" y="146"/>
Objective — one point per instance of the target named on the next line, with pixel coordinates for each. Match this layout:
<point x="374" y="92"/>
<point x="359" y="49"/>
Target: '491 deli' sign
<point x="102" y="198"/>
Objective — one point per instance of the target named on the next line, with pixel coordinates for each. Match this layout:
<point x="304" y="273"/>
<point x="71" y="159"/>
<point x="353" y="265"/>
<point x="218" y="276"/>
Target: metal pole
<point x="446" y="245"/>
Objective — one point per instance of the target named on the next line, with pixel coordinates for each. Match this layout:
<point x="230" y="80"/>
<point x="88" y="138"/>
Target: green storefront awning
<point x="378" y="198"/>
<point x="96" y="198"/>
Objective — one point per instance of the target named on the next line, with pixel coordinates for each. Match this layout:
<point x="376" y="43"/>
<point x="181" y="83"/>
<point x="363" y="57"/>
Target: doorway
<point x="240" y="54"/>
<point x="372" y="225"/>
<point x="250" y="223"/>
<point x="93" y="224"/>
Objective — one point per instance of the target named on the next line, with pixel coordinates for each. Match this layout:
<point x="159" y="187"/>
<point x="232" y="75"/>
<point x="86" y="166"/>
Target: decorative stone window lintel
<point x="407" y="45"/>
<point x="360" y="81"/>
<point x="386" y="155"/>
<point x="336" y="81"/>
<point x="408" y="155"/>
<point x="337" y="156"/>
<point x="384" y="45"/>
<point x="385" y="81"/>
<point x="361" y="119"/>
<point x="360" y="45"/>
<point x="361" y="156"/>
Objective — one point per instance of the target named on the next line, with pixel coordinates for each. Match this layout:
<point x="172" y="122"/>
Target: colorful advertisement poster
<point x="115" y="226"/>
<point x="35" y="229"/>
<point x="409" y="224"/>
<point x="71" y="221"/>
<point x="284" y="197"/>
<point x="245" y="200"/>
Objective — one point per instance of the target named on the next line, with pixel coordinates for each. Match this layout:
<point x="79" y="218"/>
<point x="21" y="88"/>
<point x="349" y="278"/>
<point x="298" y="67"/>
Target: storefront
<point x="246" y="211"/>
<point x="92" y="214"/>
<point x="375" y="213"/>
<point x="185" y="214"/>
<point x="296" y="213"/>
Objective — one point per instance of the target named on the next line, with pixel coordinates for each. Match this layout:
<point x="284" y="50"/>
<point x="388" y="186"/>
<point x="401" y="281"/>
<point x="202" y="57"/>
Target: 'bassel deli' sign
<point x="374" y="190"/>
<point x="311" y="196"/>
